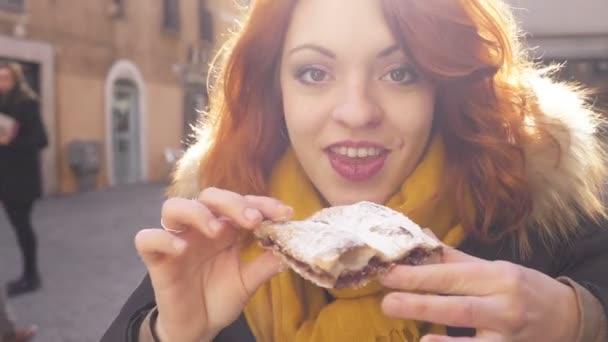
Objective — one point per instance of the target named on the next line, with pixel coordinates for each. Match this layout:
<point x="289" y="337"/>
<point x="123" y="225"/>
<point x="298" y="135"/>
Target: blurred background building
<point x="124" y="74"/>
<point x="130" y="74"/>
<point x="570" y="32"/>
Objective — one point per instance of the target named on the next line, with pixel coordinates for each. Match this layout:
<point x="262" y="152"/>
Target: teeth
<point x="353" y="152"/>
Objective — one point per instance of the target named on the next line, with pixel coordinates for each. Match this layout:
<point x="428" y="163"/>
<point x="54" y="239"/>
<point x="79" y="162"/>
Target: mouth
<point x="357" y="161"/>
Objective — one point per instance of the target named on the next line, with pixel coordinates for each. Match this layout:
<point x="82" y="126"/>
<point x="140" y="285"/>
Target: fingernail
<point x="252" y="214"/>
<point x="215" y="225"/>
<point x="179" y="244"/>
<point x="287" y="210"/>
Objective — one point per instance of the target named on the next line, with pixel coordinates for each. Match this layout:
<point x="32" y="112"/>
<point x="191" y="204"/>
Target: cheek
<point x="413" y="114"/>
<point x="304" y="116"/>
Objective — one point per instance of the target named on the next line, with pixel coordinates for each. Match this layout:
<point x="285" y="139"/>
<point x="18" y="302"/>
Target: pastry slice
<point x="348" y="246"/>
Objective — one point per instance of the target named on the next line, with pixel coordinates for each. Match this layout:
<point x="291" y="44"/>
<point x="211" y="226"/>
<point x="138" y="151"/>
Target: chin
<point x="348" y="197"/>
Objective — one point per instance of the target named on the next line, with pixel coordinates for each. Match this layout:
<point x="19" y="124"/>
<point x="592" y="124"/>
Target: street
<point x="88" y="261"/>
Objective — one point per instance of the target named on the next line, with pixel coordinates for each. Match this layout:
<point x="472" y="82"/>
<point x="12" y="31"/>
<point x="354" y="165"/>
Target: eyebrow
<point x="389" y="51"/>
<point x="384" y="53"/>
<point x="313" y="47"/>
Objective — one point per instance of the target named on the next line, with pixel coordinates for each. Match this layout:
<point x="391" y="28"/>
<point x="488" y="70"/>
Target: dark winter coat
<point x="20" y="174"/>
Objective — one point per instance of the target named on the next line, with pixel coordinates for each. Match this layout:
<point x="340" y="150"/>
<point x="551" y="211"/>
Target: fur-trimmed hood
<point x="566" y="184"/>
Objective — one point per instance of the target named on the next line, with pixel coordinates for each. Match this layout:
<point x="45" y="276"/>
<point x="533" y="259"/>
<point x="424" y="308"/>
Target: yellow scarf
<point x="289" y="308"/>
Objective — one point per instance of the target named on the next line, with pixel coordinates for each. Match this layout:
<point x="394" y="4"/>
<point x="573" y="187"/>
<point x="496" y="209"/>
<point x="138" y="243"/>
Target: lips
<point x="357" y="161"/>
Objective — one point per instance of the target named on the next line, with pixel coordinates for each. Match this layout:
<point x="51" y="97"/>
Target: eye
<point x="312" y="75"/>
<point x="402" y="75"/>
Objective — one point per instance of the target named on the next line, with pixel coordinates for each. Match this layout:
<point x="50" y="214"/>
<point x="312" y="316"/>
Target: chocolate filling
<point x="375" y="266"/>
<point x="268" y="242"/>
<point x="417" y="256"/>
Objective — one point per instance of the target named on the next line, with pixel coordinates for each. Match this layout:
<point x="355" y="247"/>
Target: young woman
<point x="20" y="179"/>
<point x="429" y="107"/>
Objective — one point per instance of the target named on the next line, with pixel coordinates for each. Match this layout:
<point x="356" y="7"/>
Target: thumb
<point x="260" y="270"/>
<point x="158" y="250"/>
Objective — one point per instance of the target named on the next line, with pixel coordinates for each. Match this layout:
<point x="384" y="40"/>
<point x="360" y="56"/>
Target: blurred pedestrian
<point x="8" y="331"/>
<point x="20" y="179"/>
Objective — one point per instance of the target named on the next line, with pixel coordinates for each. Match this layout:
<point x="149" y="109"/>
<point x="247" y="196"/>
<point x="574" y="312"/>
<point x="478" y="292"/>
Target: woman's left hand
<point x="501" y="300"/>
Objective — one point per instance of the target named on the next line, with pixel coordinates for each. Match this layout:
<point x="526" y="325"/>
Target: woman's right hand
<point x="200" y="283"/>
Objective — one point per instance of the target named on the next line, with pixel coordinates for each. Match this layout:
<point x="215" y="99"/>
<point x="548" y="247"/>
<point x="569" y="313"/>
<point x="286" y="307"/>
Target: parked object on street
<point x="85" y="159"/>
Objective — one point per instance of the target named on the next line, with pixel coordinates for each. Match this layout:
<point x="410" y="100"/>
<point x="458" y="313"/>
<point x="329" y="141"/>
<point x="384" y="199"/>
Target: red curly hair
<point x="469" y="49"/>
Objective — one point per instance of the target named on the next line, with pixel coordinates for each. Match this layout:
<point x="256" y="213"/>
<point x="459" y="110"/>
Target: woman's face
<point x="7" y="81"/>
<point x="358" y="114"/>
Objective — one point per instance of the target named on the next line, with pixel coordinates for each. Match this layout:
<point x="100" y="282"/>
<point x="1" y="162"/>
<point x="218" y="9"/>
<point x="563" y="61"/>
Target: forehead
<point x="339" y="23"/>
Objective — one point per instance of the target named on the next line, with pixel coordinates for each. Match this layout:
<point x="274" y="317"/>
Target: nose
<point x="358" y="108"/>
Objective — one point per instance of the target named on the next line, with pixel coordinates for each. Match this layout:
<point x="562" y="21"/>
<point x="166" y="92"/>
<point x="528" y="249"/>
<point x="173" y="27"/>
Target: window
<point x="12" y="5"/>
<point x="205" y="23"/>
<point x="171" y="16"/>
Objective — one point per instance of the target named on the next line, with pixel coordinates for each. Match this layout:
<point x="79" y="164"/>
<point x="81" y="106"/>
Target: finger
<point x="456" y="279"/>
<point x="161" y="251"/>
<point x="231" y="205"/>
<point x="270" y="208"/>
<point x="261" y="269"/>
<point x="452" y="255"/>
<point x="184" y="214"/>
<point x="155" y="244"/>
<point x="456" y="311"/>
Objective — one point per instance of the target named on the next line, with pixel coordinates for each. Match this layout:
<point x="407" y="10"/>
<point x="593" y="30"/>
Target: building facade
<point x="571" y="32"/>
<point x="129" y="75"/>
<point x="126" y="75"/>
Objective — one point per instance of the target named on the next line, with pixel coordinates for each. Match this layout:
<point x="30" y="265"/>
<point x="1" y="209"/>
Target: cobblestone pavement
<point x="88" y="262"/>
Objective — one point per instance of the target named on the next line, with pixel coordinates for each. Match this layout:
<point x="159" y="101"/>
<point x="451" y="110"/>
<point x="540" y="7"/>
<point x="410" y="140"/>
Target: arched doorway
<point x="125" y="125"/>
<point x="125" y="132"/>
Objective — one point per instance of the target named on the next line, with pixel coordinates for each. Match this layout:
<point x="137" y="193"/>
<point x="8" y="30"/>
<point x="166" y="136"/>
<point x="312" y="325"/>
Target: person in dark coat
<point x="20" y="174"/>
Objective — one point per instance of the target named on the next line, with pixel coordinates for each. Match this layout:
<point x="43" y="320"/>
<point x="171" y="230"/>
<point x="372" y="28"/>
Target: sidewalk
<point x="88" y="260"/>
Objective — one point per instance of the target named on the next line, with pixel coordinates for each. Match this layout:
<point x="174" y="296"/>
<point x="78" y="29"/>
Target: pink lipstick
<point x="357" y="161"/>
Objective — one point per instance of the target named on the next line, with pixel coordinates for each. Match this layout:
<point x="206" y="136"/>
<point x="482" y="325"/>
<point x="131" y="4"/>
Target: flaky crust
<point x="347" y="246"/>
